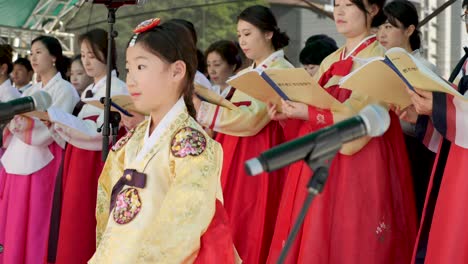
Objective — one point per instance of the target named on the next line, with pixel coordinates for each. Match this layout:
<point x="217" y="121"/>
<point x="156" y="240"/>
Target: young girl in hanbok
<point x="159" y="196"/>
<point x="31" y="161"/>
<point x="251" y="202"/>
<point x="366" y="212"/>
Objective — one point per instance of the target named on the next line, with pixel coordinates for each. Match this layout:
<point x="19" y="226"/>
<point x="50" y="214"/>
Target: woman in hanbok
<point x="159" y="196"/>
<point x="401" y="30"/>
<point x="443" y="124"/>
<point x="366" y="212"/>
<point x="222" y="62"/>
<point x="83" y="157"/>
<point x="244" y="132"/>
<point x="31" y="161"/>
<point x="78" y="76"/>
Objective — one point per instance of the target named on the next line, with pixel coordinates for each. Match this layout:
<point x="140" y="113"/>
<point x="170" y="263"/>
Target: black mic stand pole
<point x="320" y="166"/>
<point x="107" y="100"/>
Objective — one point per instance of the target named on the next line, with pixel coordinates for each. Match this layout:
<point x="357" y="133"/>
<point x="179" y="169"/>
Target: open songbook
<point x="386" y="78"/>
<point x="293" y="84"/>
<point x="57" y="115"/>
<point x="210" y="96"/>
<point x="41" y="115"/>
<point x="120" y="103"/>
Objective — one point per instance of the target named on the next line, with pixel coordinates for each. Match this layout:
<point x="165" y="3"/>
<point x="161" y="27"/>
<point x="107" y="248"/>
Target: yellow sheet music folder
<point x="212" y="97"/>
<point x="386" y="79"/>
<point x="122" y="100"/>
<point x="294" y="84"/>
<point x="41" y="115"/>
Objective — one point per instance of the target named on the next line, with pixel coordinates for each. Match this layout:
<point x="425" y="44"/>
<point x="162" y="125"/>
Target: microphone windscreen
<point x="42" y="100"/>
<point x="376" y="119"/>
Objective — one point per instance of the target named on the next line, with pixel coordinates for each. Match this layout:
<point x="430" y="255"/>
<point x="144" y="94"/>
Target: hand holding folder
<point x="294" y="84"/>
<point x="386" y="79"/>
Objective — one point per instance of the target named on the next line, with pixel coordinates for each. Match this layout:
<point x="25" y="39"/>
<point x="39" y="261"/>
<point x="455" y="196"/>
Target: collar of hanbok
<point x="367" y="41"/>
<point x="279" y="54"/>
<point x="94" y="87"/>
<point x="216" y="88"/>
<point x="52" y="82"/>
<point x="150" y="140"/>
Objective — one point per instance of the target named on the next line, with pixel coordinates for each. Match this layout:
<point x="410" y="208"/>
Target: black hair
<point x="227" y="50"/>
<point x="77" y="57"/>
<point x="379" y="18"/>
<point x="262" y="18"/>
<point x="465" y="3"/>
<point x="317" y="48"/>
<point x="171" y="42"/>
<point x="97" y="40"/>
<point x="201" y="66"/>
<point x="25" y="63"/>
<point x="55" y="49"/>
<point x="189" y="25"/>
<point x="6" y="57"/>
<point x="402" y="13"/>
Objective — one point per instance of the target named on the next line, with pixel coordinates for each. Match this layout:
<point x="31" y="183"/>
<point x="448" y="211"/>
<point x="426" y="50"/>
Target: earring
<point x="53" y="64"/>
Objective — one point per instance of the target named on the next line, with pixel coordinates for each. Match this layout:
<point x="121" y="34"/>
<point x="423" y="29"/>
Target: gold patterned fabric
<point x="163" y="221"/>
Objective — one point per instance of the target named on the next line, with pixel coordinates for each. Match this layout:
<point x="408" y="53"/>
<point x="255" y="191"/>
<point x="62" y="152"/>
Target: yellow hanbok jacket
<point x="163" y="189"/>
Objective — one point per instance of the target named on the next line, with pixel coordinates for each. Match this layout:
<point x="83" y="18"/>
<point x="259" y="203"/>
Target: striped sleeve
<point x="450" y="118"/>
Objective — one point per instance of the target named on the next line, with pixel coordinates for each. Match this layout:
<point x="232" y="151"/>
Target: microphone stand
<point x="320" y="166"/>
<point x="107" y="100"/>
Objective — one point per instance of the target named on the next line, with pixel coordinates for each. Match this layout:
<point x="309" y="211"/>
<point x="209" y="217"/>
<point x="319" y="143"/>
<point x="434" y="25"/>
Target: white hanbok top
<point x="91" y="139"/>
<point x="27" y="149"/>
<point x="8" y="92"/>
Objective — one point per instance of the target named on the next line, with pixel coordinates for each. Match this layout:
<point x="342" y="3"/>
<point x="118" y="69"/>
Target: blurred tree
<point x="213" y="19"/>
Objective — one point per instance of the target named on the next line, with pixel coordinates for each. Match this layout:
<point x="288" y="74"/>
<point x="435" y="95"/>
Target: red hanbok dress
<point x="366" y="212"/>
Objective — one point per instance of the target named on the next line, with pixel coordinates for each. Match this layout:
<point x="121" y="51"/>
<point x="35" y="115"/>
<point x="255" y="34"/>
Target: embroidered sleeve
<point x="189" y="204"/>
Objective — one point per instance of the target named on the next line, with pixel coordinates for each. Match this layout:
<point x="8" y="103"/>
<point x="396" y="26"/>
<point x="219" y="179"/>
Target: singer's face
<point x="41" y="60"/>
<point x="254" y="43"/>
<point x="152" y="82"/>
<point x="20" y="75"/>
<point x="78" y="77"/>
<point x="93" y="66"/>
<point x="349" y="19"/>
<point x="390" y="36"/>
<point x="218" y="69"/>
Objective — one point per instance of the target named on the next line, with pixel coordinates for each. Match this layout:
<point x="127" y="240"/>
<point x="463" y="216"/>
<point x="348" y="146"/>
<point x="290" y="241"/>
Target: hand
<point x="131" y="122"/>
<point x="422" y="101"/>
<point x="273" y="113"/>
<point x="295" y="110"/>
<point x="408" y="114"/>
<point x="46" y="123"/>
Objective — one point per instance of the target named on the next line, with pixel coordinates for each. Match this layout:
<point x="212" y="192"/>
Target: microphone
<point x="39" y="100"/>
<point x="117" y="3"/>
<point x="372" y="121"/>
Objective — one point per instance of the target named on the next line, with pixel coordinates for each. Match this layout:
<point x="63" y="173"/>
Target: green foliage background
<point x="213" y="19"/>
